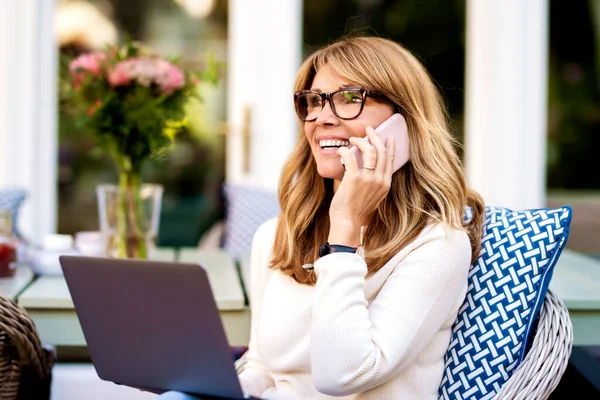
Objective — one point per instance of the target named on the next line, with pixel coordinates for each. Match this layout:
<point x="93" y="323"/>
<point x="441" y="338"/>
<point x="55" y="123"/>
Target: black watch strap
<point x="327" y="248"/>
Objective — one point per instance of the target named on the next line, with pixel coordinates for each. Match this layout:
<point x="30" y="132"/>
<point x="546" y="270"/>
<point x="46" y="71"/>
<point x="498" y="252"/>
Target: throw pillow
<point x="507" y="286"/>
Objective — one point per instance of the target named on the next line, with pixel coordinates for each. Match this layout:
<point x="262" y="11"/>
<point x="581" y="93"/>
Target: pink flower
<point x="174" y="79"/>
<point x="147" y="71"/>
<point x="120" y="75"/>
<point x="88" y="63"/>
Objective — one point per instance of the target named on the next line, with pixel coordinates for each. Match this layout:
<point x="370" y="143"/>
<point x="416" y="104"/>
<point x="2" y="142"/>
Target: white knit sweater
<point x="383" y="337"/>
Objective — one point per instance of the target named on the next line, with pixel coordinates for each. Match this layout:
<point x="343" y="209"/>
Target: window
<point x="574" y="118"/>
<point x="433" y="30"/>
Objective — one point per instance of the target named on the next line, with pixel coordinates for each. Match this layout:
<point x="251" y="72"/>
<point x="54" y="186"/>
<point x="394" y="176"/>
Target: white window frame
<point x="28" y="111"/>
<point x="506" y="101"/>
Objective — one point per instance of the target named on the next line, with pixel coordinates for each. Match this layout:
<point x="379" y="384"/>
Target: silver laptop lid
<point x="152" y="324"/>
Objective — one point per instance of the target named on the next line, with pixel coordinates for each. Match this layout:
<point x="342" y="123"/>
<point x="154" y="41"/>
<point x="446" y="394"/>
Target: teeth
<point x="333" y="143"/>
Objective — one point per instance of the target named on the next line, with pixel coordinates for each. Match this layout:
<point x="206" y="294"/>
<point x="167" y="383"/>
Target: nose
<point x="326" y="116"/>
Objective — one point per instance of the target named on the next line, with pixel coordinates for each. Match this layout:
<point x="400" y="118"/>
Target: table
<point x="49" y="304"/>
<point x="576" y="280"/>
<point x="12" y="286"/>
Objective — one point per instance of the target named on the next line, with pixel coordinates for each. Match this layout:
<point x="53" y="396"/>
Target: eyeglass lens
<point x="347" y="104"/>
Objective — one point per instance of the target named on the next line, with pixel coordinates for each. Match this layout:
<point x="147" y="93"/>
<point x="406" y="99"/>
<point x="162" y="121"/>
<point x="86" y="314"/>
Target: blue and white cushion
<point x="507" y="286"/>
<point x="11" y="200"/>
<point x="247" y="208"/>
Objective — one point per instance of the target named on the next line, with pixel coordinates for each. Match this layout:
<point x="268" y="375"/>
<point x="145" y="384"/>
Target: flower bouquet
<point x="134" y="103"/>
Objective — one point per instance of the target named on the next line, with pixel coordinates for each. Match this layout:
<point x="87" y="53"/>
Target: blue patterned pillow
<point x="11" y="200"/>
<point x="247" y="208"/>
<point x="507" y="286"/>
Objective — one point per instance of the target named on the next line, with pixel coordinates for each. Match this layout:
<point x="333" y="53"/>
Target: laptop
<point x="153" y="325"/>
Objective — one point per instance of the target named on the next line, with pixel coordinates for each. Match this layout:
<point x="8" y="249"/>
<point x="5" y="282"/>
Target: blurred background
<point x="193" y="173"/>
<point x="521" y="80"/>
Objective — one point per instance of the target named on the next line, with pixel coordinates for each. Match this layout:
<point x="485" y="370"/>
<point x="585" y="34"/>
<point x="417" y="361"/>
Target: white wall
<point x="506" y="100"/>
<point x="28" y="113"/>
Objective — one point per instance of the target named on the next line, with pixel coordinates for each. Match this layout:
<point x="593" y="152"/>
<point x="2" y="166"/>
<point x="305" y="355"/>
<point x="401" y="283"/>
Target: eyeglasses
<point x="346" y="103"/>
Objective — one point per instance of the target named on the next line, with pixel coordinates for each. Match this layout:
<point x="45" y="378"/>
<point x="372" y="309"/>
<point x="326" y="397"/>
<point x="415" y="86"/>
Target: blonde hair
<point x="431" y="186"/>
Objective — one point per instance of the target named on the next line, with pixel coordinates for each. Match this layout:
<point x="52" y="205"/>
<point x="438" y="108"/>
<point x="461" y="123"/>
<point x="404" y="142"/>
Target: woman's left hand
<point x="361" y="190"/>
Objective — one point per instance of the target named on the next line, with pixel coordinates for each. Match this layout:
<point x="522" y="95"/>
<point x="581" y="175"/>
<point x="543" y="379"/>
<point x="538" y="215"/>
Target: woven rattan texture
<point x="25" y="364"/>
<point x="543" y="367"/>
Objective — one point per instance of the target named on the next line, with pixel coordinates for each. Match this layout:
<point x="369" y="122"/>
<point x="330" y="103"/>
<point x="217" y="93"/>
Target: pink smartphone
<point x="393" y="126"/>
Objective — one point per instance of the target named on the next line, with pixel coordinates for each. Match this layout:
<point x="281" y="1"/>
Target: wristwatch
<point x="327" y="248"/>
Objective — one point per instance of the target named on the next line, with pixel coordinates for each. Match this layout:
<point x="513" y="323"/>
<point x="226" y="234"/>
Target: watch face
<point x="327" y="248"/>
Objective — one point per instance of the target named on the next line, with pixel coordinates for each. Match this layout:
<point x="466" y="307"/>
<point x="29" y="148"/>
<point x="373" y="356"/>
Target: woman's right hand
<point x="361" y="190"/>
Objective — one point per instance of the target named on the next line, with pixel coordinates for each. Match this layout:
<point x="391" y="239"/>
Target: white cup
<point x="89" y="243"/>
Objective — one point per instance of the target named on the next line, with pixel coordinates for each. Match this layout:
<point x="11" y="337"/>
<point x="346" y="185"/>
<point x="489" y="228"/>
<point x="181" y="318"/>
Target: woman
<point x="326" y="321"/>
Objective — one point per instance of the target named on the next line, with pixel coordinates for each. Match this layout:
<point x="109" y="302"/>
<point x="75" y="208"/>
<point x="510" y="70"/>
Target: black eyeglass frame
<point x="326" y="96"/>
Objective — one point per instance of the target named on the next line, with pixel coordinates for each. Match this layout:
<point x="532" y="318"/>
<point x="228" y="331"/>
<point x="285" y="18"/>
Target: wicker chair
<point x="25" y="365"/>
<point x="547" y="359"/>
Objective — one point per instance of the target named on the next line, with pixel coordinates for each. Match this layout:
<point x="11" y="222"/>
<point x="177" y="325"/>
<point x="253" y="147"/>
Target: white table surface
<point x="47" y="292"/>
<point x="11" y="286"/>
<point x="163" y="254"/>
<point x="51" y="291"/>
<point x="576" y="280"/>
<point x="48" y="301"/>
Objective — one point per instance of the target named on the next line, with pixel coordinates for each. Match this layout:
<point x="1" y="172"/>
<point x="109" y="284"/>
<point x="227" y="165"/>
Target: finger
<point x="349" y="160"/>
<point x="369" y="154"/>
<point x="390" y="153"/>
<point x="380" y="149"/>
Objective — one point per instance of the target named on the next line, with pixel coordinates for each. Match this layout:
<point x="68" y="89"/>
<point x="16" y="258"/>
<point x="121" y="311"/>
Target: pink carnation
<point x="147" y="71"/>
<point x="171" y="77"/>
<point x="88" y="63"/>
<point x="120" y="75"/>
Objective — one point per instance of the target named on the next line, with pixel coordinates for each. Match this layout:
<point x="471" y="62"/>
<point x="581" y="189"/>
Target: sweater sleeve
<point x="254" y="377"/>
<point x="355" y="347"/>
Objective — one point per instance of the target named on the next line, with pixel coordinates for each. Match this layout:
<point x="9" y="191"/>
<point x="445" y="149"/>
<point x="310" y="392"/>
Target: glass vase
<point x="129" y="216"/>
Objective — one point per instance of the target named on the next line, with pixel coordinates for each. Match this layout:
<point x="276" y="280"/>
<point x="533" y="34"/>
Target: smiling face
<point x="328" y="132"/>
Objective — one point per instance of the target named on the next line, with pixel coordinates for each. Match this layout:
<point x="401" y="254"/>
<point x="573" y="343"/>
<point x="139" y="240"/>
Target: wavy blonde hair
<point x="431" y="186"/>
